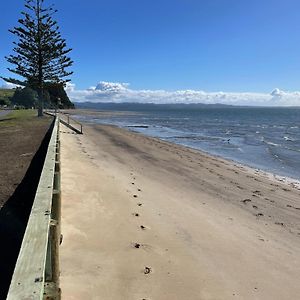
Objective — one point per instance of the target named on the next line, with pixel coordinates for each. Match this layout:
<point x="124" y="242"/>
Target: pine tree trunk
<point x="40" y="103"/>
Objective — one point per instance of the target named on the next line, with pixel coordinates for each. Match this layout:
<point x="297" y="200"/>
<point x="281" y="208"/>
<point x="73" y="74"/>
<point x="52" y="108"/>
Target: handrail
<point x="68" y="121"/>
<point x="36" y="274"/>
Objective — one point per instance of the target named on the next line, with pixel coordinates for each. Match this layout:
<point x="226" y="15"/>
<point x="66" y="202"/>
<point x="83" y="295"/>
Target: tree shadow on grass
<point x="14" y="216"/>
<point x="7" y="119"/>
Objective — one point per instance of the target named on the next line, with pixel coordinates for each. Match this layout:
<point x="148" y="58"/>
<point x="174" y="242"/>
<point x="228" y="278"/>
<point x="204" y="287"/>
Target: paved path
<point x="3" y="113"/>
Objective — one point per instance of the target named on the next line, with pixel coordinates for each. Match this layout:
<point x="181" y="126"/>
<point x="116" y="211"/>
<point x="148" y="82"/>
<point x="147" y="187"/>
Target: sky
<point x="233" y="51"/>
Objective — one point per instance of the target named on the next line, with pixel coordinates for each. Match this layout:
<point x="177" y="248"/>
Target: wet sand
<point x="147" y="219"/>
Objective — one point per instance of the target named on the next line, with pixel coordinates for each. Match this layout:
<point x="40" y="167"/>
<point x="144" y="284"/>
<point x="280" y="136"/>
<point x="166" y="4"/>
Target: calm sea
<point x="264" y="138"/>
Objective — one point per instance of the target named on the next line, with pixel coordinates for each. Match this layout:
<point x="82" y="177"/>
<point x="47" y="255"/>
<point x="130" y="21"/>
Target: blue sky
<point x="212" y="45"/>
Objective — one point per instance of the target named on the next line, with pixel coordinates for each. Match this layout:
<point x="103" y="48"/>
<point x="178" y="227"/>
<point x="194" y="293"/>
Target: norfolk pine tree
<point x="40" y="55"/>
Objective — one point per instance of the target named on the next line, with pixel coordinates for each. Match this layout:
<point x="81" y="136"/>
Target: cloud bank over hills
<point x="121" y="93"/>
<point x="7" y="85"/>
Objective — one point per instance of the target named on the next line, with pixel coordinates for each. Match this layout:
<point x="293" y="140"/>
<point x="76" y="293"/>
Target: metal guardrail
<point x="36" y="274"/>
<point x="67" y="120"/>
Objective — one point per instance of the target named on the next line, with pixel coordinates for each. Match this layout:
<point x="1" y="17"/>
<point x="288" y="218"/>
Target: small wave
<point x="195" y="138"/>
<point x="287" y="138"/>
<point x="272" y="144"/>
<point x="184" y="137"/>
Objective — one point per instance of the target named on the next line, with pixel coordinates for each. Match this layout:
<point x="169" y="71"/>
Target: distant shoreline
<point x="91" y="116"/>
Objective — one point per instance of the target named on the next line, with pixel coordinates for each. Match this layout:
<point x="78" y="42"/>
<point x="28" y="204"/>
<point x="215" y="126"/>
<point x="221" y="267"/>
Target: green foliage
<point x="5" y="95"/>
<point x="54" y="97"/>
<point x="25" y="97"/>
<point x="58" y="97"/>
<point x="40" y="54"/>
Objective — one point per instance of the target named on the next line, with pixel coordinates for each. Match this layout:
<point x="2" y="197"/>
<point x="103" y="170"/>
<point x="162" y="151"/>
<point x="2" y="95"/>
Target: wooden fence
<point x="36" y="274"/>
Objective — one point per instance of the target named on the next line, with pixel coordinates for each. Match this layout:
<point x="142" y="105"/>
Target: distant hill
<point x="54" y="91"/>
<point x="5" y="94"/>
<point x="144" y="106"/>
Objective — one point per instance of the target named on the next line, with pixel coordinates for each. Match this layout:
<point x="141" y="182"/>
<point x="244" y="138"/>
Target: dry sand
<point x="146" y="219"/>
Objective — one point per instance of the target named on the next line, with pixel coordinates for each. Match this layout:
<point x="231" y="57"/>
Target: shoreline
<point x="294" y="182"/>
<point x="162" y="221"/>
<point x="252" y="169"/>
<point x="290" y="180"/>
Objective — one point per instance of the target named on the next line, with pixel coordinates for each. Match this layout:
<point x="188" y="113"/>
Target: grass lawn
<point x="21" y="133"/>
<point x="17" y="117"/>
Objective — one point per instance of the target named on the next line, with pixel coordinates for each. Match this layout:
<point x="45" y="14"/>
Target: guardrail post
<point x="52" y="290"/>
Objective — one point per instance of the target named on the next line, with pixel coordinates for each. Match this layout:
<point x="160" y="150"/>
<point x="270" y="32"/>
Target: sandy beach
<point x="147" y="219"/>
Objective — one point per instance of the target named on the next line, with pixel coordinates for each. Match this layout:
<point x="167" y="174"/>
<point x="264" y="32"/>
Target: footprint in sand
<point x="136" y="245"/>
<point x="279" y="223"/>
<point x="259" y="215"/>
<point x="141" y="246"/>
<point x="246" y="200"/>
<point x="257" y="192"/>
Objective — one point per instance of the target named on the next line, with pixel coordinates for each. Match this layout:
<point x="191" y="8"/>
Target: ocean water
<point x="264" y="138"/>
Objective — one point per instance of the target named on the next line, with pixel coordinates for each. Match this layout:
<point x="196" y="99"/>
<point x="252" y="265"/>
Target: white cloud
<point x="70" y="87"/>
<point x="8" y="85"/>
<point x="111" y="87"/>
<point x="120" y="92"/>
<point x="277" y="93"/>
